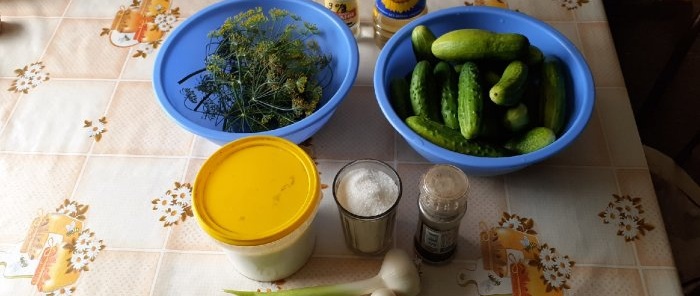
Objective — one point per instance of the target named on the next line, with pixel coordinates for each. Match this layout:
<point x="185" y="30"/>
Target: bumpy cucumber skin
<point x="400" y="97"/>
<point x="473" y="44"/>
<point x="533" y="140"/>
<point x="470" y="100"/>
<point x="422" y="40"/>
<point x="446" y="79"/>
<point x="509" y="89"/>
<point x="422" y="92"/>
<point x="451" y="139"/>
<point x="553" y="95"/>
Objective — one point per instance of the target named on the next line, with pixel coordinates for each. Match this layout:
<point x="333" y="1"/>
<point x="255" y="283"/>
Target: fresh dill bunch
<point x="262" y="72"/>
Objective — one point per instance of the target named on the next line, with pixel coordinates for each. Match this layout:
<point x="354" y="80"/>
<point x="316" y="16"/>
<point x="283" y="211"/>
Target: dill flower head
<point x="262" y="72"/>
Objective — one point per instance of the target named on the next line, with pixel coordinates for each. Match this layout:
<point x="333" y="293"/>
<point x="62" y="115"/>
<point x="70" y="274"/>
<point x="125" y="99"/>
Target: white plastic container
<point x="257" y="197"/>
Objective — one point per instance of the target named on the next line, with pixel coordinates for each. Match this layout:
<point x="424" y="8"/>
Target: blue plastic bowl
<point x="397" y="59"/>
<point x="184" y="51"/>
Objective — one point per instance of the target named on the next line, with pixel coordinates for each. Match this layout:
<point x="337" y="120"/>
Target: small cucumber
<point x="470" y="100"/>
<point x="510" y="88"/>
<point x="516" y="118"/>
<point x="400" y="97"/>
<point x="534" y="56"/>
<point x="451" y="139"/>
<point x="473" y="44"/>
<point x="422" y="92"/>
<point x="533" y="140"/>
<point x="553" y="95"/>
<point x="422" y="40"/>
<point x="491" y="77"/>
<point x="446" y="79"/>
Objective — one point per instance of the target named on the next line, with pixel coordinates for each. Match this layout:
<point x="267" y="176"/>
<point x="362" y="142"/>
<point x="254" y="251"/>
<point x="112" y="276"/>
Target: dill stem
<point x="190" y="75"/>
<point x="202" y="101"/>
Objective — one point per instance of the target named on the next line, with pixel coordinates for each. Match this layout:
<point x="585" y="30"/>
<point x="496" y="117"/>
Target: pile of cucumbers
<point x="481" y="93"/>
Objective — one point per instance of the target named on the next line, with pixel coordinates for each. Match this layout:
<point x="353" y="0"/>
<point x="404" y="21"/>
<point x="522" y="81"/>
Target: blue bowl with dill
<point x="244" y="67"/>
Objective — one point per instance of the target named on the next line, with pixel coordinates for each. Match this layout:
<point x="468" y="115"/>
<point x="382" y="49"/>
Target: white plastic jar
<point x="257" y="197"/>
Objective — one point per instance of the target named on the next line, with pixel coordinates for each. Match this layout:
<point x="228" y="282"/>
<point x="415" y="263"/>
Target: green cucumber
<point x="473" y="44"/>
<point x="470" y="100"/>
<point x="509" y="89"/>
<point x="400" y="97"/>
<point x="422" y="92"/>
<point x="422" y="40"/>
<point x="446" y="79"/>
<point x="534" y="56"/>
<point x="451" y="139"/>
<point x="553" y="95"/>
<point x="533" y="140"/>
<point x="516" y="118"/>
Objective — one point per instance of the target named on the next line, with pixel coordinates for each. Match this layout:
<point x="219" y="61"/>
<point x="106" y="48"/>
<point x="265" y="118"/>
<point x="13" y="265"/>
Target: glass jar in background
<point x="441" y="205"/>
<point x="390" y="15"/>
<point x="348" y="11"/>
<point x="494" y="3"/>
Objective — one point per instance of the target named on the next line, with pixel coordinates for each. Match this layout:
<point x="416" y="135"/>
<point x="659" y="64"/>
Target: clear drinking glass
<point x="367" y="193"/>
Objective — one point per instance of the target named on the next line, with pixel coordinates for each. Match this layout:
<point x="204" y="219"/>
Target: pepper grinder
<point x="442" y="204"/>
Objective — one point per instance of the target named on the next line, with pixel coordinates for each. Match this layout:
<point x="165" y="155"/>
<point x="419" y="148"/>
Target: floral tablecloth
<point x="96" y="180"/>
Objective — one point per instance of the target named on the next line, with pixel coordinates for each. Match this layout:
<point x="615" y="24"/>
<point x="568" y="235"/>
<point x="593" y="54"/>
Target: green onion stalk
<point x="397" y="276"/>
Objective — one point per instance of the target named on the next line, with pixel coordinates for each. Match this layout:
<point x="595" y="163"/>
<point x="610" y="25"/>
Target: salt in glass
<point x="367" y="235"/>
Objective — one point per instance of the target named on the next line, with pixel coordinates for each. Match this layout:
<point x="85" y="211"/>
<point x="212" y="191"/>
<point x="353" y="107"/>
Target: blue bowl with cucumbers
<point x="489" y="90"/>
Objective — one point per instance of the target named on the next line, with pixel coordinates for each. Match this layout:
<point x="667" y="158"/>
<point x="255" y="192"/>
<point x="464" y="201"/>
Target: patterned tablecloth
<point x="97" y="180"/>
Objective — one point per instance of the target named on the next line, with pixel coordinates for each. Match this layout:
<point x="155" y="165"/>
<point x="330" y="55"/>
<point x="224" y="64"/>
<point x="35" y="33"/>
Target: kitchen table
<point x="96" y="179"/>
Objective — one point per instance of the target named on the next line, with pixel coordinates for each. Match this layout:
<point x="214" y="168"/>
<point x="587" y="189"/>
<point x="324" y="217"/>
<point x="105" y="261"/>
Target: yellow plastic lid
<point x="255" y="190"/>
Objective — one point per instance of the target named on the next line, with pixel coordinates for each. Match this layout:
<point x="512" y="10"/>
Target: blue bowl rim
<point x="327" y="109"/>
<point x="487" y="163"/>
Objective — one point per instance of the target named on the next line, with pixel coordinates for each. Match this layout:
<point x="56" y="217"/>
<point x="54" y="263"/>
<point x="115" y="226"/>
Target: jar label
<point x="438" y="241"/>
<point x="400" y="9"/>
<point x="346" y="10"/>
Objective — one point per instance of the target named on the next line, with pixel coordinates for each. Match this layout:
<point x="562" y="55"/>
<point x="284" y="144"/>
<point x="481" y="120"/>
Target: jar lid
<point x="444" y="190"/>
<point x="255" y="190"/>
